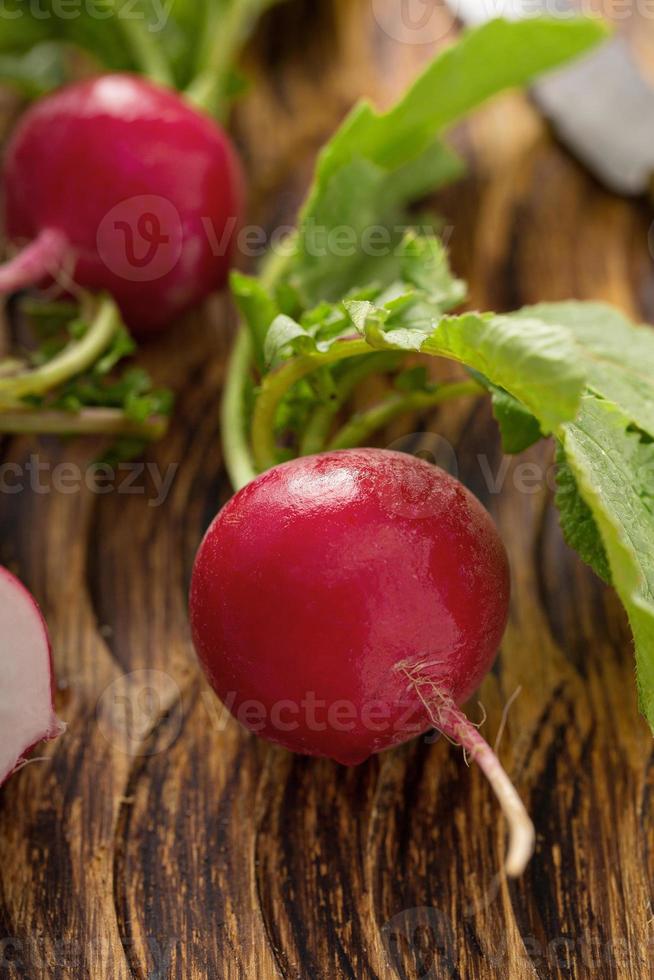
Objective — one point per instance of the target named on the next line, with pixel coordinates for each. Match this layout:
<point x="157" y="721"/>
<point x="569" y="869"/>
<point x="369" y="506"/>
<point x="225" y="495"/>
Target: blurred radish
<point x="123" y="186"/>
<point x="27" y="714"/>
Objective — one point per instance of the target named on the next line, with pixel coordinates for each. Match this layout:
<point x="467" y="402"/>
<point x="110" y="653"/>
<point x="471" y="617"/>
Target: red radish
<point x="26" y="695"/>
<point x="127" y="187"/>
<point x="345" y="602"/>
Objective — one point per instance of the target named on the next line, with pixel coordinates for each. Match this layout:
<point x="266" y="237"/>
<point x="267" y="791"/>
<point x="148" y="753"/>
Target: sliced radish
<point x="27" y="714"/>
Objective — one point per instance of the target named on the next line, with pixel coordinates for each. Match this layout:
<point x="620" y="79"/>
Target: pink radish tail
<point x="42" y="257"/>
<point x="451" y="721"/>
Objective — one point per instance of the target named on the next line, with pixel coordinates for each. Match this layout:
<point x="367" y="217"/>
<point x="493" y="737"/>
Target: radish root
<point x="453" y="723"/>
<point x="42" y="257"/>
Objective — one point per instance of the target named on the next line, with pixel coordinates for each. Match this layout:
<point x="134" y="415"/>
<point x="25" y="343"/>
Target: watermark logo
<point x="72" y="10"/>
<point x="42" y="477"/>
<point x="141" y="238"/>
<point x="133" y="705"/>
<point x="419" y="497"/>
<point x="418" y="943"/>
<point x="412" y="21"/>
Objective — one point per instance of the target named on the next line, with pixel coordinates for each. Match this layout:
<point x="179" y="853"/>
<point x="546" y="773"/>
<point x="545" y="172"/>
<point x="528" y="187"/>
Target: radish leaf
<point x="613" y="464"/>
<point x="578" y="524"/>
<point x="377" y="163"/>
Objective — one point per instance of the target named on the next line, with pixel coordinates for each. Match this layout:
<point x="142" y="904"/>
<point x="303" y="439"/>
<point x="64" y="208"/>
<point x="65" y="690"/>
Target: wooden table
<point x="208" y="854"/>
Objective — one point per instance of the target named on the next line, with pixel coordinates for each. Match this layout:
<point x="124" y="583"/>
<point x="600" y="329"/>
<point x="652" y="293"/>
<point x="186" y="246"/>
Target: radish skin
<point x="27" y="714"/>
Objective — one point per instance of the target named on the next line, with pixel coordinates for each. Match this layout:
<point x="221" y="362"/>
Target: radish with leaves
<point x="126" y="188"/>
<point x="119" y="186"/>
<point x="346" y="602"/>
<point x="27" y="714"/>
<point x="322" y="534"/>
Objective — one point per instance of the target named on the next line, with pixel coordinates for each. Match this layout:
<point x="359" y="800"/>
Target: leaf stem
<point x="362" y="426"/>
<point x="75" y="358"/>
<point x="236" y="450"/>
<point x="89" y="421"/>
<point x="147" y="52"/>
<point x="275" y="386"/>
<point x="319" y="424"/>
<point x="224" y="31"/>
<point x="239" y="461"/>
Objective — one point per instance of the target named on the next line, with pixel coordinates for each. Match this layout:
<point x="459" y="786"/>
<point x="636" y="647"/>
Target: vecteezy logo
<point x="141" y="238"/>
<point x="419" y="943"/>
<point x="132" y="707"/>
<point x="419" y="497"/>
<point x="412" y="21"/>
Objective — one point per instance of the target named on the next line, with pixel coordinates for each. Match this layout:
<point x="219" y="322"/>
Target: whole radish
<point x="26" y="693"/>
<point x="123" y="186"/>
<point x="346" y="602"/>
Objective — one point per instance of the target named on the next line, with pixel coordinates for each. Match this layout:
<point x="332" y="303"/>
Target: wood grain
<point x="207" y="854"/>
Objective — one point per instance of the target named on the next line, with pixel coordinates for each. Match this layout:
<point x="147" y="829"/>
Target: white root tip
<point x="522" y="840"/>
<point x="452" y="722"/>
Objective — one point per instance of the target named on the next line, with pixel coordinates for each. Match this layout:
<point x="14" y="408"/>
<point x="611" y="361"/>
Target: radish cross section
<point x="27" y="714"/>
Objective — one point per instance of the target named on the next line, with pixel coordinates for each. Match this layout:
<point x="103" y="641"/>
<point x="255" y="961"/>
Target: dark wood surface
<point x="208" y="854"/>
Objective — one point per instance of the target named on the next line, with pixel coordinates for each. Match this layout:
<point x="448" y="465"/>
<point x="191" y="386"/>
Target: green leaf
<point x="424" y="264"/>
<point x="617" y="356"/>
<point x="378" y="163"/>
<point x="487" y="60"/>
<point x="123" y="345"/>
<point x="287" y="336"/>
<point x="483" y="62"/>
<point x="353" y="233"/>
<point x="532" y="360"/>
<point x="119" y="35"/>
<point x="258" y="307"/>
<point x="518" y="427"/>
<point x="20" y="29"/>
<point x="613" y="465"/>
<point x="44" y="67"/>
<point x="578" y="524"/>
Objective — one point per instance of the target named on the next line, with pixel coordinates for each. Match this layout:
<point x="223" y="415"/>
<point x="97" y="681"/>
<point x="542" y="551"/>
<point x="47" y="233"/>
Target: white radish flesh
<point x="27" y="714"/>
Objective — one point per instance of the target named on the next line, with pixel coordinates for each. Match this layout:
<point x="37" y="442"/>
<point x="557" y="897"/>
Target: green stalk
<point x="236" y="450"/>
<point x="87" y="422"/>
<point x="78" y="356"/>
<point x="318" y="427"/>
<point x="225" y="30"/>
<point x="276" y="385"/>
<point x="146" y="50"/>
<point x="239" y="461"/>
<point x="361" y="427"/>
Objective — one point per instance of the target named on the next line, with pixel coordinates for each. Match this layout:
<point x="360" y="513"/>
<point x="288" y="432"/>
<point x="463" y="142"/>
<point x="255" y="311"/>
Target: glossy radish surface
<point x="126" y="187"/>
<point x="26" y="692"/>
<point x="345" y="602"/>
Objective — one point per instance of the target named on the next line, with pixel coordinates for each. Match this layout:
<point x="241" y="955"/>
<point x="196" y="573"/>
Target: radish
<point x="123" y="185"/>
<point x="345" y="602"/>
<point x="26" y="697"/>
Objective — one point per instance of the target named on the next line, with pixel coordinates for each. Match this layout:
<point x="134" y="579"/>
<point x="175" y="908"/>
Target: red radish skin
<point x="127" y="188"/>
<point x="346" y="602"/>
<point x="27" y="714"/>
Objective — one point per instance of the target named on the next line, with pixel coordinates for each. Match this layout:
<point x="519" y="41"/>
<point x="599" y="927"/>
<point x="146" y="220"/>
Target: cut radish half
<point x="26" y="691"/>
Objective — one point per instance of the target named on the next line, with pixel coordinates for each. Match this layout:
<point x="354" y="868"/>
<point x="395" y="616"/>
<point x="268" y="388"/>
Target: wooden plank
<point x="210" y="854"/>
